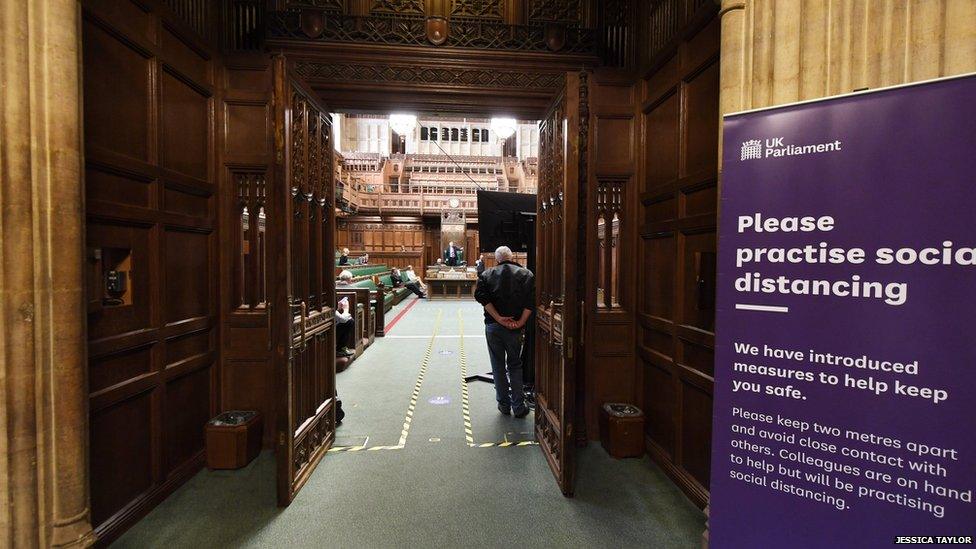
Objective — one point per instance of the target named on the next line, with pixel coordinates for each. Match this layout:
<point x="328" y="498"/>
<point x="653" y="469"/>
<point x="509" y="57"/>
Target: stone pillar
<point x="43" y="398"/>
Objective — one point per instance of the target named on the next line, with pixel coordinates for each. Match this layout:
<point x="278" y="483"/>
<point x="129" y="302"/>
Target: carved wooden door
<point x="562" y="175"/>
<point x="303" y="295"/>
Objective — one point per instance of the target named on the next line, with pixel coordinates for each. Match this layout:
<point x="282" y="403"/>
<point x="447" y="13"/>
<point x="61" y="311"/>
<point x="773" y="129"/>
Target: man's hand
<point x="520" y="323"/>
<point x="505" y="321"/>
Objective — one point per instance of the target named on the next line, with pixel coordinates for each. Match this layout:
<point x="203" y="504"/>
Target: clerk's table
<point x="450" y="284"/>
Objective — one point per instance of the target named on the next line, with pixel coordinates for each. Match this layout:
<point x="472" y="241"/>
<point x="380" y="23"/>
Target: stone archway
<point x="43" y="401"/>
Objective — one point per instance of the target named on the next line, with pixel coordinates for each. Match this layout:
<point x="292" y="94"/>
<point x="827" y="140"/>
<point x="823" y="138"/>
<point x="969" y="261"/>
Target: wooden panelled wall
<point x="377" y="234"/>
<point x="150" y="98"/>
<point x="676" y="255"/>
<point x="246" y="379"/>
<point x="608" y="318"/>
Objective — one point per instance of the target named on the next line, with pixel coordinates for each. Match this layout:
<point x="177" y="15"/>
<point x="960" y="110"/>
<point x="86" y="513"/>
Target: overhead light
<point x="403" y="124"/>
<point x="503" y="127"/>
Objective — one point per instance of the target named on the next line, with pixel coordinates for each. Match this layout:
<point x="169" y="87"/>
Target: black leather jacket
<point x="509" y="287"/>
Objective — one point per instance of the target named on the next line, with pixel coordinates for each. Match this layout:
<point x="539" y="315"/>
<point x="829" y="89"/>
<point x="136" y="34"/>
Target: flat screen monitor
<point x="506" y="219"/>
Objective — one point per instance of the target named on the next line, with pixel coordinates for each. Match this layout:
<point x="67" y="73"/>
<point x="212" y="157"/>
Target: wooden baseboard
<point x="697" y="493"/>
<point x="117" y="524"/>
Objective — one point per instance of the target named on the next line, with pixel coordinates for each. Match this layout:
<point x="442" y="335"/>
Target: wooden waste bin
<point x="622" y="430"/>
<point x="233" y="439"/>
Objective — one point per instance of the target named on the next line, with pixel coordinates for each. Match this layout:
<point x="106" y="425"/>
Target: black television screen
<point x="506" y="219"/>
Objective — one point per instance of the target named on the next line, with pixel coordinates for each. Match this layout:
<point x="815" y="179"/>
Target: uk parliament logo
<point x="751" y="150"/>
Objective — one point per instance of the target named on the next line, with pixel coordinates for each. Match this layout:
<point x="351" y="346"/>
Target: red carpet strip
<point x="400" y="315"/>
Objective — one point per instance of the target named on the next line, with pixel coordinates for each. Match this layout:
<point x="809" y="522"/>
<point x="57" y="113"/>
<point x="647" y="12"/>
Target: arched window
<point x="424" y="135"/>
<point x="484" y="136"/>
<point x="433" y="134"/>
<point x="475" y="135"/>
<point x="454" y="134"/>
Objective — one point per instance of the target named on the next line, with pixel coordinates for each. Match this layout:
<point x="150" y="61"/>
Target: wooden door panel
<point x="151" y="190"/>
<point x="303" y="330"/>
<point x="679" y="201"/>
<point x="562" y="150"/>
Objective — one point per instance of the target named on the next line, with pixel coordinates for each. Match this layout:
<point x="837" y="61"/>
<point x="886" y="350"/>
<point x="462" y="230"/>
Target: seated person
<point x="396" y="277"/>
<point x="364" y="259"/>
<point x="345" y="279"/>
<point x="344" y="325"/>
<point x="344" y="258"/>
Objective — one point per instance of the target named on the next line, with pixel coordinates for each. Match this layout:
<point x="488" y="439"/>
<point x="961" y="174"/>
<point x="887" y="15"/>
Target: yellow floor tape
<point x="408" y="418"/>
<point x="466" y="409"/>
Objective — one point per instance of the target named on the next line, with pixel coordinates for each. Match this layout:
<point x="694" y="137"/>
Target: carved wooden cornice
<point x="456" y="77"/>
<point x="412" y="30"/>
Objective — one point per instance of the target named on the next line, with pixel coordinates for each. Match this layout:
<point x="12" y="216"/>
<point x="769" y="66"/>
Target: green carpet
<point x="436" y="491"/>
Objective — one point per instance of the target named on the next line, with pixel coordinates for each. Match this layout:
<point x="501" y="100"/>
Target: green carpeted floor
<point x="436" y="491"/>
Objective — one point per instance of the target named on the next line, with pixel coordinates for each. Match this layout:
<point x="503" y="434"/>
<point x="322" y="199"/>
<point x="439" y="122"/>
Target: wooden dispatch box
<point x="233" y="439"/>
<point x="622" y="430"/>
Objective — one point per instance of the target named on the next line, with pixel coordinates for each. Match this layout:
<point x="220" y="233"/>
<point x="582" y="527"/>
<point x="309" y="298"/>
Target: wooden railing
<point x="199" y="15"/>
<point x="414" y="199"/>
<point x="243" y="25"/>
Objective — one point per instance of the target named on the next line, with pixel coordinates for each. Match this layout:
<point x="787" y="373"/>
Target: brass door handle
<point x="562" y="322"/>
<point x="268" y="310"/>
<point x="304" y="321"/>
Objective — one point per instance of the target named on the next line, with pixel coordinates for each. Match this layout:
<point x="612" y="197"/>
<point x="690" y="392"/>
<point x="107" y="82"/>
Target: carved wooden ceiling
<point x="471" y="57"/>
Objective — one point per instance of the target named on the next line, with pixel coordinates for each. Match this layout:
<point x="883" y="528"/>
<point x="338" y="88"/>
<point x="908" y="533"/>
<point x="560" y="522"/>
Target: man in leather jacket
<point x="507" y="293"/>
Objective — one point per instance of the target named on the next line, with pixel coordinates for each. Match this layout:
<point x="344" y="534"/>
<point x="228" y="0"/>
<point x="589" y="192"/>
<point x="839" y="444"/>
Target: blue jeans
<point x="504" y="349"/>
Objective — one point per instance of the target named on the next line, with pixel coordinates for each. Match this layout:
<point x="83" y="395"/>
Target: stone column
<point x="43" y="398"/>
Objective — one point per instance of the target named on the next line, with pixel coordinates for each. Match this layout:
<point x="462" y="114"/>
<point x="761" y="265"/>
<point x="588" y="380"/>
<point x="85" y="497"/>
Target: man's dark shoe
<point x="504" y="409"/>
<point x="522" y="412"/>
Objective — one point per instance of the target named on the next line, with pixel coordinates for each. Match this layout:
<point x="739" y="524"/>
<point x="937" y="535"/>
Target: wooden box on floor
<point x="622" y="430"/>
<point x="233" y="439"/>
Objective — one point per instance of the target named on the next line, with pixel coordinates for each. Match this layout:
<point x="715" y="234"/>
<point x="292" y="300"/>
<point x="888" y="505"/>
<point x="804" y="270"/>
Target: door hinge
<point x="569" y="347"/>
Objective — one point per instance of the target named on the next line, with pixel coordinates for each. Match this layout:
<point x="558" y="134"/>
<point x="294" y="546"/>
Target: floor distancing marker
<point x="411" y="407"/>
<point x="465" y="403"/>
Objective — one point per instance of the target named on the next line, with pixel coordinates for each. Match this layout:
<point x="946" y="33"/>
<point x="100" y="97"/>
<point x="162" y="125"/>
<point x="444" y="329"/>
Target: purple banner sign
<point x="845" y="385"/>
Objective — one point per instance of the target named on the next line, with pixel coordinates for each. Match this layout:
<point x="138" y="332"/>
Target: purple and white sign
<point x="845" y="384"/>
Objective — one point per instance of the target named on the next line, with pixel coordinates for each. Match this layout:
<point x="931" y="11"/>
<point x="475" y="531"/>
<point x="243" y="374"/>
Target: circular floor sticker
<point x="439" y="400"/>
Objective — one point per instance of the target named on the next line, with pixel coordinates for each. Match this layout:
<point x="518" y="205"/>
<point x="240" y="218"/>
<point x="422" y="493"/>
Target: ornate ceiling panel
<point x="399" y="7"/>
<point x="337" y="6"/>
<point x="411" y="30"/>
<point x="478" y="9"/>
<point x="562" y="11"/>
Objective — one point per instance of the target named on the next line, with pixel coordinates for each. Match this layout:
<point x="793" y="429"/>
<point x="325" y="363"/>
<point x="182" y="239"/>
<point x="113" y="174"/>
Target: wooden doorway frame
<point x="533" y="101"/>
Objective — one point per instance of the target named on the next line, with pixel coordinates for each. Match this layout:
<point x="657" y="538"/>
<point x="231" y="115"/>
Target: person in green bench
<point x="344" y="257"/>
<point x="344" y="324"/>
<point x="414" y="285"/>
<point x="343" y="317"/>
<point x="410" y="277"/>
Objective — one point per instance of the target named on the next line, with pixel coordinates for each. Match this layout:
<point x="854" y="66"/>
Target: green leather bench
<point x="398" y="293"/>
<point x="364" y="270"/>
<point x="388" y="297"/>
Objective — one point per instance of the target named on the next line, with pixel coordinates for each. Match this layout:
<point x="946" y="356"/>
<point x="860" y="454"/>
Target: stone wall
<point x="782" y="51"/>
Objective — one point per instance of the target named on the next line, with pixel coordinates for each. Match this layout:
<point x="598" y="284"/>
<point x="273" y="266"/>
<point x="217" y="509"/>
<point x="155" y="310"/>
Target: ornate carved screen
<point x="304" y="293"/>
<point x="562" y="174"/>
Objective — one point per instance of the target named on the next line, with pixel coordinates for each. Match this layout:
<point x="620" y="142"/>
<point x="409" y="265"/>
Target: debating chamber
<point x="487" y="273"/>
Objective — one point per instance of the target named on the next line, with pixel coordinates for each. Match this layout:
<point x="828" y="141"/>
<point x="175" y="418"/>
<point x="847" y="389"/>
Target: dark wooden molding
<point x="411" y="30"/>
<point x="476" y="78"/>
